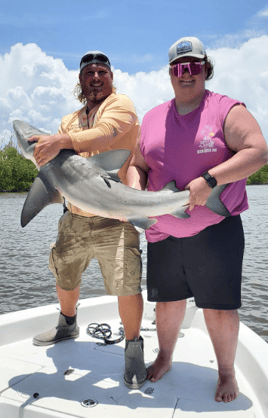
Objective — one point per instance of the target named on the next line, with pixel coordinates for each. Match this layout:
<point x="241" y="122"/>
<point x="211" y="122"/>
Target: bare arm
<point x="48" y="146"/>
<point x="137" y="173"/>
<point x="244" y="137"/>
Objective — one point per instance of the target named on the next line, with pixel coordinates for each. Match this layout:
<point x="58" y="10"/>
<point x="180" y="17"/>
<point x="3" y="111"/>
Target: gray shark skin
<point x="92" y="185"/>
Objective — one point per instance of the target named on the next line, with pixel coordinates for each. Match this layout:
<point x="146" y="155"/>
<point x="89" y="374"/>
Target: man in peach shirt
<point x="107" y="121"/>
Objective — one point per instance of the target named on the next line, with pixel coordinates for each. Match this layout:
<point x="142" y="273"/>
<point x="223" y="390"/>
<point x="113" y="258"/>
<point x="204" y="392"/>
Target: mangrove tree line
<point x="17" y="173"/>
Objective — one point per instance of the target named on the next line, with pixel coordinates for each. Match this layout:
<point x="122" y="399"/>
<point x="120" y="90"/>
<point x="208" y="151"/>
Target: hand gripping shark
<point x="92" y="184"/>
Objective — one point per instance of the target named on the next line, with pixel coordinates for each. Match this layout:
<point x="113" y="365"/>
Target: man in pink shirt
<point x="199" y="139"/>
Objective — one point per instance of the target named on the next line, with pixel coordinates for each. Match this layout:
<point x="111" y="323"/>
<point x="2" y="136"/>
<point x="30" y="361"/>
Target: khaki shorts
<point x="113" y="243"/>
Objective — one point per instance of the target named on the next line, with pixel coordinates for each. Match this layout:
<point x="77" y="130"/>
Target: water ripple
<point x="28" y="282"/>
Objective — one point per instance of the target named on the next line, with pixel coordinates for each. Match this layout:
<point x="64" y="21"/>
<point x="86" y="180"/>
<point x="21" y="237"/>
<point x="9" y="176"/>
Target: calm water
<point x="26" y="280"/>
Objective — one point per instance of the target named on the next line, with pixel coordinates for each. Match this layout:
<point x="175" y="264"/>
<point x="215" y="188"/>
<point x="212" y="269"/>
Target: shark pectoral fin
<point x="171" y="186"/>
<point x="215" y="204"/>
<point x="180" y="212"/>
<point x="40" y="195"/>
<point x="143" y="223"/>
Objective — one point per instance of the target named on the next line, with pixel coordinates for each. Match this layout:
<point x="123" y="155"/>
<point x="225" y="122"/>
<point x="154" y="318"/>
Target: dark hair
<point x="210" y="68"/>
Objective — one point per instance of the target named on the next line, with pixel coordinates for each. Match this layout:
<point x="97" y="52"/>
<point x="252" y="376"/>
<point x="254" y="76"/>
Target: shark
<point x="92" y="184"/>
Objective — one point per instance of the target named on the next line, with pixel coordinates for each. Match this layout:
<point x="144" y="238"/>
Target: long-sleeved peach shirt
<point x="111" y="125"/>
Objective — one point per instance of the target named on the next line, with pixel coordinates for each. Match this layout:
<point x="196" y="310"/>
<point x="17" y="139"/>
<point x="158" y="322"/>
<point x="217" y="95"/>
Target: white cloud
<point x="242" y="74"/>
<point x="35" y="87"/>
<point x="5" y="137"/>
<point x="146" y="90"/>
<point x="38" y="88"/>
<point x="263" y="12"/>
<point x="255" y="27"/>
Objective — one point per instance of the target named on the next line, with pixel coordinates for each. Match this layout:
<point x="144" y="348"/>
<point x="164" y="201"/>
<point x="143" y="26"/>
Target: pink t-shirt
<point x="181" y="148"/>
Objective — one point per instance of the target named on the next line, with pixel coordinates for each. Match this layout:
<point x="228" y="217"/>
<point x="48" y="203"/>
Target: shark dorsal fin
<point x="111" y="161"/>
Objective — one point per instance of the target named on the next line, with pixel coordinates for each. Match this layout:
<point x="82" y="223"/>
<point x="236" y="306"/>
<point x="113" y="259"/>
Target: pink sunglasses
<point x="194" y="68"/>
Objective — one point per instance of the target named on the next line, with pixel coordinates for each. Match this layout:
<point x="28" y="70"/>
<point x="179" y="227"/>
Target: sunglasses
<point x="194" y="68"/>
<point x="87" y="59"/>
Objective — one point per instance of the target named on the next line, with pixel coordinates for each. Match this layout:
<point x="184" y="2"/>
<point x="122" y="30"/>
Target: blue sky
<point x="135" y="34"/>
<point x="42" y="44"/>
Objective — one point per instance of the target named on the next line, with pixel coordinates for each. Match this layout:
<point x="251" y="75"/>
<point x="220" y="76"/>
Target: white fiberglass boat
<point x="84" y="377"/>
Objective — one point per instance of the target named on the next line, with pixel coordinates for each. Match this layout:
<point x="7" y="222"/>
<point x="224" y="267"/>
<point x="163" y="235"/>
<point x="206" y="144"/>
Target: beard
<point x="96" y="96"/>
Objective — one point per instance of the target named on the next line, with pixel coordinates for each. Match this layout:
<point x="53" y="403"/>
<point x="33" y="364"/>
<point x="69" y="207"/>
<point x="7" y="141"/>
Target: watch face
<point x="211" y="181"/>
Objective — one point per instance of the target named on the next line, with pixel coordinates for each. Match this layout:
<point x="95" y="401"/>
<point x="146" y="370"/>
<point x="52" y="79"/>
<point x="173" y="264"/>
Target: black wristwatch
<point x="211" y="181"/>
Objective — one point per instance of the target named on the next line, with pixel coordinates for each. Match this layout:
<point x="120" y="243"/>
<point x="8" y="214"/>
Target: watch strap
<point x="211" y="181"/>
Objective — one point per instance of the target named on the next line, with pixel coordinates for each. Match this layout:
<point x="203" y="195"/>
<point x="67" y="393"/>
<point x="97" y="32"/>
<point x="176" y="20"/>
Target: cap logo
<point x="184" y="47"/>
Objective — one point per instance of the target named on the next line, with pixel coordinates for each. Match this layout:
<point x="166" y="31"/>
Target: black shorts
<point x="207" y="266"/>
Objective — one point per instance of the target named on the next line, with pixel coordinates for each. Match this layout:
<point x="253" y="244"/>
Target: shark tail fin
<point x="41" y="194"/>
<point x="215" y="204"/>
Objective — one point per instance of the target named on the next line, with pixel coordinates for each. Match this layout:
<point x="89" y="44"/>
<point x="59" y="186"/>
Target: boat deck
<point x="53" y="381"/>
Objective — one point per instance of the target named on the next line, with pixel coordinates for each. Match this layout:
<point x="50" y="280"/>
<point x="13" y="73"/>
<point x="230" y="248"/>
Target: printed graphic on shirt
<point x="207" y="144"/>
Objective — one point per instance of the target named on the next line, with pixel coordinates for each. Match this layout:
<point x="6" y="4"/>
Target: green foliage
<point x="261" y="177"/>
<point x="16" y="172"/>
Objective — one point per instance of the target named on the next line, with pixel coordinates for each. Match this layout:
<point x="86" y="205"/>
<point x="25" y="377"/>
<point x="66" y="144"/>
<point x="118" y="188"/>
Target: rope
<point x="104" y="332"/>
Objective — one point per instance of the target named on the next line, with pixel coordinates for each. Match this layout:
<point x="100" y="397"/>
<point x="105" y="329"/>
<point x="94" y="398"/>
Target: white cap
<point x="186" y="47"/>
